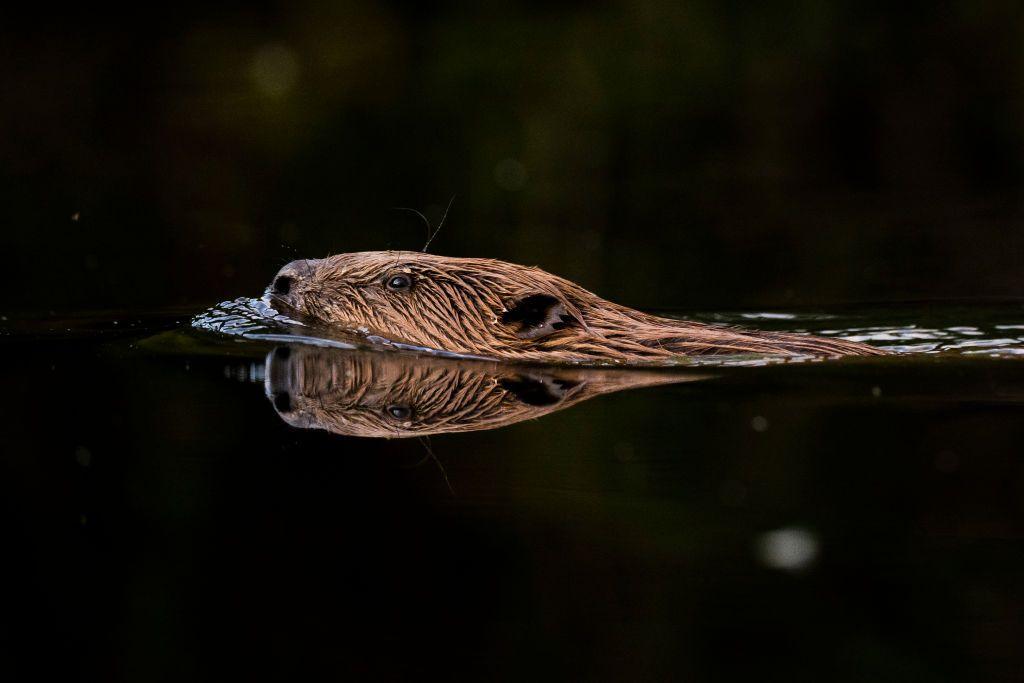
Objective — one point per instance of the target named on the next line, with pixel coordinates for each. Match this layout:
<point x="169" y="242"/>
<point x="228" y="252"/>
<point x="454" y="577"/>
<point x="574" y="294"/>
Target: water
<point x="995" y="332"/>
<point x="190" y="504"/>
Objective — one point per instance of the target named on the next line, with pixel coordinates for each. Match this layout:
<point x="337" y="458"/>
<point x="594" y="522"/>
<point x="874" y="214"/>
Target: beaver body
<point x="499" y="310"/>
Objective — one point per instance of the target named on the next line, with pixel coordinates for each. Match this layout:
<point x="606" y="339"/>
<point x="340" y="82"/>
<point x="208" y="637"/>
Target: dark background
<point x="159" y="522"/>
<point x="692" y="154"/>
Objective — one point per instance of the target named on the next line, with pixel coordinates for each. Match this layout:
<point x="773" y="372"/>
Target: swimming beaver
<point x="494" y="309"/>
<point x="393" y="395"/>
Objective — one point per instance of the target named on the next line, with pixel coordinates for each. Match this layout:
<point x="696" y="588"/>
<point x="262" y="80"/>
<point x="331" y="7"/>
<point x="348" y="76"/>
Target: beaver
<point x="494" y="309"/>
<point x="393" y="395"/>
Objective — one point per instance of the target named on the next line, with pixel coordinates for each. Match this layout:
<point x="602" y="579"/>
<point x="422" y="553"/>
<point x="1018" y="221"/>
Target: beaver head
<point x="491" y="308"/>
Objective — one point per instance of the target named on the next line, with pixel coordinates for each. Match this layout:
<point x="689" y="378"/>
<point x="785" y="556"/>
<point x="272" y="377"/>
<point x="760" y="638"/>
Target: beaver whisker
<point x="418" y="463"/>
<point x="422" y="217"/>
<point x="425" y="441"/>
<point x="439" y="225"/>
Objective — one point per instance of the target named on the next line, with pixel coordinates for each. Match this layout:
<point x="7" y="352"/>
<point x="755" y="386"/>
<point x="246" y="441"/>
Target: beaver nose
<point x="282" y="285"/>
<point x="291" y="275"/>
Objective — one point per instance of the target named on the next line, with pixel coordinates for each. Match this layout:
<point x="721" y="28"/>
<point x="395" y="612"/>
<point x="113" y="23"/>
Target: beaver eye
<point x="399" y="282"/>
<point x="399" y="412"/>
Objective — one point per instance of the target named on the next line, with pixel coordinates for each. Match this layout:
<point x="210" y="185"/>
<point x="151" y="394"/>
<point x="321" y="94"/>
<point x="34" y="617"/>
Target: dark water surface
<point x="224" y="494"/>
<point x="183" y="504"/>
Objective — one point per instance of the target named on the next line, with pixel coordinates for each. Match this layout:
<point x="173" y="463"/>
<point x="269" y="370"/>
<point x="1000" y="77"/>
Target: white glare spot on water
<point x="996" y="353"/>
<point x="982" y="343"/>
<point x="768" y="316"/>
<point x="510" y="174"/>
<point x="876" y="392"/>
<point x="274" y="70"/>
<point x="759" y="423"/>
<point x="790" y="548"/>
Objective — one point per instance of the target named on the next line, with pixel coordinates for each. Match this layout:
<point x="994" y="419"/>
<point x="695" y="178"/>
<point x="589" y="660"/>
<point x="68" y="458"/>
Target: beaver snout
<point x="289" y="280"/>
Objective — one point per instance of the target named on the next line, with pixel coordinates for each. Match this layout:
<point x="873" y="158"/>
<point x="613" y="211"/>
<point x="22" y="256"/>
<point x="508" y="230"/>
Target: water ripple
<point x="257" y="319"/>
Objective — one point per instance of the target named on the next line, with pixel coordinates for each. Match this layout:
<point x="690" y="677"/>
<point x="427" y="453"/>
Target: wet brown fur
<point x="463" y="305"/>
<point x="353" y="392"/>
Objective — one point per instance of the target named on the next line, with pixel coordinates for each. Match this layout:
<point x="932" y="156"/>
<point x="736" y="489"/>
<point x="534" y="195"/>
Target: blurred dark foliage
<point x="693" y="154"/>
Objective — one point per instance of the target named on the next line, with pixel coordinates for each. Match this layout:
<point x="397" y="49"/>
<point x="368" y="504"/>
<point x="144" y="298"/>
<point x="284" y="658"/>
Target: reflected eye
<point x="399" y="412"/>
<point x="399" y="282"/>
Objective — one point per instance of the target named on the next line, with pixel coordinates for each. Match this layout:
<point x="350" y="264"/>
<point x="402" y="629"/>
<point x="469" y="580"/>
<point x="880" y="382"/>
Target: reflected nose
<point x="278" y="373"/>
<point x="278" y="379"/>
<point x="283" y="402"/>
<point x="279" y="386"/>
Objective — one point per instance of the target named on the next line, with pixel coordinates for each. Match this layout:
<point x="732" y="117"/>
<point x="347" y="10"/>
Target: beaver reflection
<point x="374" y="394"/>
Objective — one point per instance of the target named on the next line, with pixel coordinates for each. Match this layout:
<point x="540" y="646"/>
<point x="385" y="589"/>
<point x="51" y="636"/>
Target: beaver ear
<point x="538" y="315"/>
<point x="538" y="391"/>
